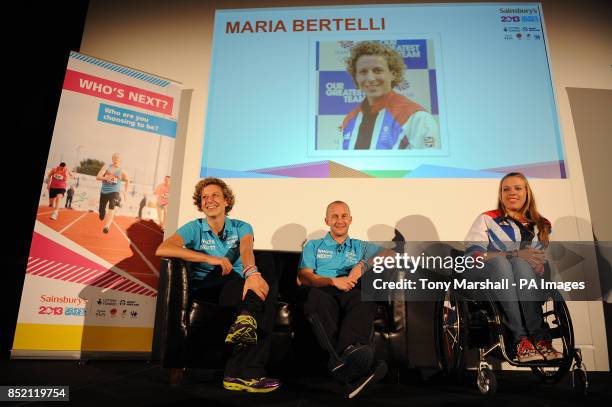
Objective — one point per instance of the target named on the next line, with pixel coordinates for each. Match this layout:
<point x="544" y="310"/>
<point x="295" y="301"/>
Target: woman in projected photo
<point x="512" y="240"/>
<point x="385" y="120"/>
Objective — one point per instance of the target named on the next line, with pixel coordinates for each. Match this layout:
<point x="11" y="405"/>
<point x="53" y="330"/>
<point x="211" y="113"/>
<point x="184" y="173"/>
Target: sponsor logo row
<point x="116" y="313"/>
<point x="115" y="302"/>
<point x="82" y="301"/>
<point x="81" y="312"/>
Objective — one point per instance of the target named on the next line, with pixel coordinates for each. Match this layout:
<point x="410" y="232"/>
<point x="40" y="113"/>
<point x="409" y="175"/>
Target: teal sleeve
<point x="309" y="260"/>
<point x="370" y="250"/>
<point x="245" y="229"/>
<point x="189" y="234"/>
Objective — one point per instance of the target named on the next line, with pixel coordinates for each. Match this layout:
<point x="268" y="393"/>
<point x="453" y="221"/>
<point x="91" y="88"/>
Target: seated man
<point x="224" y="272"/>
<point x="331" y="267"/>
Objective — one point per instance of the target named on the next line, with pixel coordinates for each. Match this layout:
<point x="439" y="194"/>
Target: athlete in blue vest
<point x="331" y="268"/>
<point x="113" y="178"/>
<point x="224" y="271"/>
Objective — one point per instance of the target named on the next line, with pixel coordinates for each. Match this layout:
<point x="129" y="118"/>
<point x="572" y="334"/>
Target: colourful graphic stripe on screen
<point x="387" y="173"/>
<point x="553" y="169"/>
<point x="330" y="169"/>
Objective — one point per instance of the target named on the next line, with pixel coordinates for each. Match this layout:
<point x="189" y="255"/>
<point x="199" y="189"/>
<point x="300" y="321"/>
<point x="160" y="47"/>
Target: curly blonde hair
<point x="394" y="59"/>
<point x="228" y="194"/>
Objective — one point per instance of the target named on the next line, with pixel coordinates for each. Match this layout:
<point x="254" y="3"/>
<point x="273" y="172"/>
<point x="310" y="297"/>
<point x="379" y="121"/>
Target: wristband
<point x="248" y="268"/>
<point x="251" y="273"/>
<point x="365" y="266"/>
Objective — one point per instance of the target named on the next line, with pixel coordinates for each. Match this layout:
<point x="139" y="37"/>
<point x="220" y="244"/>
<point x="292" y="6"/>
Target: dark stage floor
<point x="115" y="384"/>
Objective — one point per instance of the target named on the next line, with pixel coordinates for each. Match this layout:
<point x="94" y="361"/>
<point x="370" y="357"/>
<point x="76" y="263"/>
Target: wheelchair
<point x="462" y="324"/>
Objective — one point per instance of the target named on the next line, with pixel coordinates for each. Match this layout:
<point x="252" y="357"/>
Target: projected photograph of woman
<point x="385" y="120"/>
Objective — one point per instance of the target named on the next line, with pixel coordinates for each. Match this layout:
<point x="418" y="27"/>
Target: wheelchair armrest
<point x="395" y="333"/>
<point x="390" y="329"/>
<point x="396" y="309"/>
<point x="399" y="315"/>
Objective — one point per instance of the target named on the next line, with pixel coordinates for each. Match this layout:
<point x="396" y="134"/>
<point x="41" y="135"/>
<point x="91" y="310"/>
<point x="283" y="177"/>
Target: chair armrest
<point x="172" y="314"/>
<point x="177" y="295"/>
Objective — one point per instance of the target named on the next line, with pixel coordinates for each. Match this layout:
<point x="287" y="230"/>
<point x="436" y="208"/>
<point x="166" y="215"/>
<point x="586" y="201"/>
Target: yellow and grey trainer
<point x="261" y="385"/>
<point x="243" y="331"/>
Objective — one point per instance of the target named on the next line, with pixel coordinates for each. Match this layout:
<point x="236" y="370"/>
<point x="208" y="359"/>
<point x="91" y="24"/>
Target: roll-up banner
<point x="91" y="276"/>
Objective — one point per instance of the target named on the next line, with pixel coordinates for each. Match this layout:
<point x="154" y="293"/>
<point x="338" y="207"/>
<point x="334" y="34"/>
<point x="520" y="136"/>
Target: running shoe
<point x="243" y="331"/>
<point x="525" y="352"/>
<point x="546" y="349"/>
<point x="356" y="361"/>
<point x="376" y="374"/>
<point x="261" y="385"/>
<point x="54" y="215"/>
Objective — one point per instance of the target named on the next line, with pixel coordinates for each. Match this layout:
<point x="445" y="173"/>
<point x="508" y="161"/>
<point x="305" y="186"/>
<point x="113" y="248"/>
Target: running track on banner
<point x="130" y="243"/>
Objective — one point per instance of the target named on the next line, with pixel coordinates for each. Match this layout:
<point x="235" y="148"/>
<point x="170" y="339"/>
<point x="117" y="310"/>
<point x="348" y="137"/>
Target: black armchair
<point x="189" y="333"/>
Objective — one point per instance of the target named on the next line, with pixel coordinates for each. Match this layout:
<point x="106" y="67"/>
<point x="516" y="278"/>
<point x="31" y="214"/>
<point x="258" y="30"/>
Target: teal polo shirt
<point x="329" y="259"/>
<point x="197" y="235"/>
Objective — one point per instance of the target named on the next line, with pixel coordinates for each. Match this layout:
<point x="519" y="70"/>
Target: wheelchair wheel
<point x="560" y="323"/>
<point x="450" y="333"/>
<point x="486" y="381"/>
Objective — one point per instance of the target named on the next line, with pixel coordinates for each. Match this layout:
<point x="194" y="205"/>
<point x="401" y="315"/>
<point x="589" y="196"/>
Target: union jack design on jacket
<point x="494" y="232"/>
<point x="393" y="111"/>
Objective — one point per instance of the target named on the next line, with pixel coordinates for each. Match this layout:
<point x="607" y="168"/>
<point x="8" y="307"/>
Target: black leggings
<point x="247" y="362"/>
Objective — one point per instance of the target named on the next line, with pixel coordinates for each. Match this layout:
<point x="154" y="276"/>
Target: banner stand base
<point x="78" y="355"/>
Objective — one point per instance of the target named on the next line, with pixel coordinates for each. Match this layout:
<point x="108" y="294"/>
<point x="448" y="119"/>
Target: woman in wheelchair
<point x="512" y="239"/>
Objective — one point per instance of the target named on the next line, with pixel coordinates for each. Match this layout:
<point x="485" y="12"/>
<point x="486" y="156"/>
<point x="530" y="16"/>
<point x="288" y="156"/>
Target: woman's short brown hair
<point x="393" y="57"/>
<point x="228" y="194"/>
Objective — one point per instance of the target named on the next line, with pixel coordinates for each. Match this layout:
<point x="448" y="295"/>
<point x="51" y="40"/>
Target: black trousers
<point x="247" y="362"/>
<point x="345" y="318"/>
